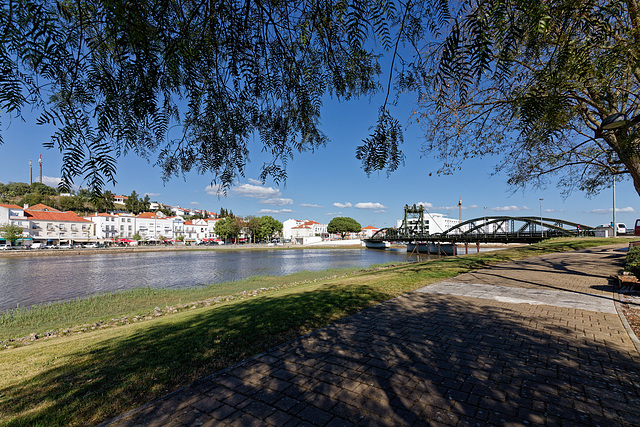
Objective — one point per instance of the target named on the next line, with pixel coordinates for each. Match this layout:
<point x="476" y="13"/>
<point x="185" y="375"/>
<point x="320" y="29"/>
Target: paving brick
<point x="314" y="415"/>
<point x="429" y="359"/>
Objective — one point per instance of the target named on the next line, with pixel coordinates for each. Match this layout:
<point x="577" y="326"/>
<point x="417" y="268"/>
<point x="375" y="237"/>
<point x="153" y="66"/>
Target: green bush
<point x="633" y="261"/>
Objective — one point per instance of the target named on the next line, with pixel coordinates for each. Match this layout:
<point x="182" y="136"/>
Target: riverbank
<point x="167" y="248"/>
<point x="91" y="376"/>
<point x="119" y="250"/>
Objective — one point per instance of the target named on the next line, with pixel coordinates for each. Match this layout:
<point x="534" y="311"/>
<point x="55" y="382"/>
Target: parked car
<point x="37" y="246"/>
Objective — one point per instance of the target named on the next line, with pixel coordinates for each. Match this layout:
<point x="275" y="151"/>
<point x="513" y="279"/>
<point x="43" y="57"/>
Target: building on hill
<point x="121" y="200"/>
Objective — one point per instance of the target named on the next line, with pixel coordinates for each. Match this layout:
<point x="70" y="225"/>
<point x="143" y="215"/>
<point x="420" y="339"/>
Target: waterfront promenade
<point x="532" y="342"/>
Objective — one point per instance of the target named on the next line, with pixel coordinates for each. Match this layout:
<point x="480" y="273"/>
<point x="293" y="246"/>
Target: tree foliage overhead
<point x="531" y="82"/>
<point x="190" y="85"/>
<point x="190" y="81"/>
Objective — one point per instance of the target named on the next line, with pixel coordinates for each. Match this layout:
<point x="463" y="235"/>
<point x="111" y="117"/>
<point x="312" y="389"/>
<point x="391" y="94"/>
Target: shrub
<point x="633" y="261"/>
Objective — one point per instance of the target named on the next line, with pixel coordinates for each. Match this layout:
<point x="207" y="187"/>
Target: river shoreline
<point x="173" y="248"/>
<point x="162" y="248"/>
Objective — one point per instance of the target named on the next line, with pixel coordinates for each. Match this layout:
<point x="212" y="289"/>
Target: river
<point x="26" y="281"/>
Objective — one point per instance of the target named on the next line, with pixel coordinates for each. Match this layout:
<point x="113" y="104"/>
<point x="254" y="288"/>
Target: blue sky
<point x="330" y="182"/>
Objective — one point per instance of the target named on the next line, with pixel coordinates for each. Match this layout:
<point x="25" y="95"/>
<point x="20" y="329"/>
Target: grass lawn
<point x="90" y="377"/>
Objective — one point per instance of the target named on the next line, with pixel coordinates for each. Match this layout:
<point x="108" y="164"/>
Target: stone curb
<point x="623" y="319"/>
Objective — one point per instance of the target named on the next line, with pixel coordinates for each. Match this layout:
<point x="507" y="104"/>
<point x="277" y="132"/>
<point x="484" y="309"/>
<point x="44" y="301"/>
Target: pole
<point x="541" y="228"/>
<point x="615" y="225"/>
<point x="485" y="220"/>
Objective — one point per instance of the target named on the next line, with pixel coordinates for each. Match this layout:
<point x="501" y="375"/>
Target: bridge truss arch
<point x="490" y="229"/>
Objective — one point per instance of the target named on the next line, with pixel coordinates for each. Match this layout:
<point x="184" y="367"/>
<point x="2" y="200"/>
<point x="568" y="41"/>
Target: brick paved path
<point x="437" y="357"/>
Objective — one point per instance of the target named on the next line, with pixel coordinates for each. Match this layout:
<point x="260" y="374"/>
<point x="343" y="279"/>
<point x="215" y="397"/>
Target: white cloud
<point x="153" y="194"/>
<point x="553" y="210"/>
<point x="471" y="207"/>
<point x="628" y="209"/>
<point x="510" y="208"/>
<point x="255" y="181"/>
<point x="194" y="203"/>
<point x="274" y="211"/>
<point x="309" y="205"/>
<point x="427" y="205"/>
<point x="342" y="205"/>
<point x="333" y="213"/>
<point x="214" y="190"/>
<point x="369" y="205"/>
<point x="255" y="191"/>
<point x="380" y="211"/>
<point x="277" y="201"/>
<point x="51" y="181"/>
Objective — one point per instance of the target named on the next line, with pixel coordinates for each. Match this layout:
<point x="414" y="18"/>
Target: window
<point x="122" y="228"/>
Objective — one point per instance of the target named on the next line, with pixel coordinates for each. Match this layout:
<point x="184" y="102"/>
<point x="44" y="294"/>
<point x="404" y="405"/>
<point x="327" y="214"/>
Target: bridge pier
<point x="433" y="248"/>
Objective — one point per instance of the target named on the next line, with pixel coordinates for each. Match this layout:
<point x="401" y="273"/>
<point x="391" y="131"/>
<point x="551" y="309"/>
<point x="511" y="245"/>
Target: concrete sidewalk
<point x="530" y="342"/>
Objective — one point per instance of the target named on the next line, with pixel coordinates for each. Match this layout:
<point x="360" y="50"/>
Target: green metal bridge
<point x="486" y="229"/>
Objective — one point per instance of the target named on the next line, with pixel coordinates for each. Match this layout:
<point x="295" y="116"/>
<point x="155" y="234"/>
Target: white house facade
<point x="433" y="222"/>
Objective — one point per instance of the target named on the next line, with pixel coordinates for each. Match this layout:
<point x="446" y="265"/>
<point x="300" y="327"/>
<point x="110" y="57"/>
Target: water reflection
<point x="35" y="280"/>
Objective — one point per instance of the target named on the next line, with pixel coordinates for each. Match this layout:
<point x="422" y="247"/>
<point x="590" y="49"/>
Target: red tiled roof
<point x="55" y="216"/>
<point x="41" y="207"/>
<point x="311" y="223"/>
<point x="149" y="215"/>
<point x="10" y="206"/>
<point x="370" y="227"/>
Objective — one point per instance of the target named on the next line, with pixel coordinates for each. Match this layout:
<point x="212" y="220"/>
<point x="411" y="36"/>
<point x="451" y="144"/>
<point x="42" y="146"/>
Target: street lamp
<point x="618" y="120"/>
<point x="615" y="225"/>
<point x="541" y="228"/>
<point x="485" y="221"/>
<point x="613" y="122"/>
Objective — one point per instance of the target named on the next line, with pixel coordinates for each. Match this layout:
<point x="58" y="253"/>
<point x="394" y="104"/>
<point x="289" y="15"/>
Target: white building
<point x="46" y="224"/>
<point x="106" y="226"/>
<point x="293" y="228"/>
<point x="196" y="230"/>
<point x="433" y="223"/>
<point x="368" y="231"/>
<point x="156" y="225"/>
